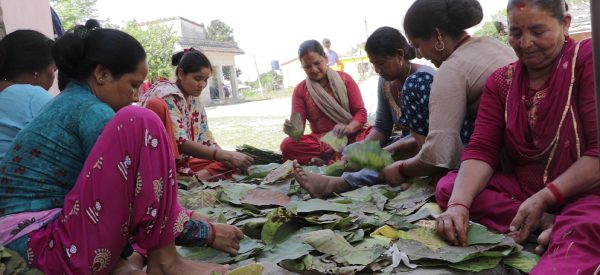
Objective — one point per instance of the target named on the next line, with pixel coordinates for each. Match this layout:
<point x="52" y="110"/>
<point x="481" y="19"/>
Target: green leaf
<point x="297" y="129"/>
<point x="336" y="143"/>
<point x="413" y="198"/>
<point x="368" y="154"/>
<point x="477" y="264"/>
<point x="326" y="241"/>
<point x="523" y="261"/>
<point x="479" y="234"/>
<point x="291" y="248"/>
<point x="261" y="170"/>
<point x="426" y="236"/>
<point x="335" y="170"/>
<point x="367" y="251"/>
<point x="234" y="192"/>
<point x="455" y="254"/>
<point x="356" y="236"/>
<point x="278" y="227"/>
<point x="316" y="205"/>
<point x="248" y="248"/>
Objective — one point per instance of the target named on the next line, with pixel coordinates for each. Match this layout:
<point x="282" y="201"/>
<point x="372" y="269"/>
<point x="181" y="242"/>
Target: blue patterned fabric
<point x="48" y="159"/>
<point x="415" y="102"/>
<point x="195" y="234"/>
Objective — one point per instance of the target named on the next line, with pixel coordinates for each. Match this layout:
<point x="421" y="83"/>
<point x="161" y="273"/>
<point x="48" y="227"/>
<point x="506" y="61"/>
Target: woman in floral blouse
<point x="178" y="104"/>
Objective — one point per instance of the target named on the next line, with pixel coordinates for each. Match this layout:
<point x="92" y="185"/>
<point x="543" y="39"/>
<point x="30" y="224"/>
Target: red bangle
<point x="458" y="204"/>
<point x="214" y="154"/>
<point x="401" y="170"/>
<point x="557" y="195"/>
<point x="213" y="234"/>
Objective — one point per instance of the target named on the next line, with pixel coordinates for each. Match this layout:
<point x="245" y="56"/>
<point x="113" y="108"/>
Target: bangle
<point x="214" y="154"/>
<point x="557" y="195"/>
<point x="457" y="204"/>
<point x="401" y="170"/>
<point x="213" y="234"/>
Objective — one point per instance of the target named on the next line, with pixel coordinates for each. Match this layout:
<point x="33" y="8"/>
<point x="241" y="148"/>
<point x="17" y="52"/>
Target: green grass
<point x="250" y="96"/>
<point x="265" y="132"/>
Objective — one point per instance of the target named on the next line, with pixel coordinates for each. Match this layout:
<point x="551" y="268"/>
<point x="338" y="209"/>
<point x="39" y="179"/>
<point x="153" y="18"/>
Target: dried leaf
<point x="292" y="247"/>
<point x="425" y="236"/>
<point x="283" y="172"/>
<point x="234" y="192"/>
<point x="326" y="241"/>
<point x="262" y="197"/>
<point x="251" y="269"/>
<point x="201" y="198"/>
<point x="386" y="231"/>
<point x="316" y="205"/>
<point x="336" y="143"/>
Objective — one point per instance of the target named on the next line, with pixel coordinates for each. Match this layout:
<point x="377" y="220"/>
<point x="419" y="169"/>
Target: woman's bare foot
<point x="319" y="186"/>
<point x="166" y="261"/>
<point x="317" y="162"/>
<point x="543" y="241"/>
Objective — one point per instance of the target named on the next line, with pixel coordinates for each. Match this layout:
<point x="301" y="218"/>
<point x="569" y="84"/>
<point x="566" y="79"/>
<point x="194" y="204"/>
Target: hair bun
<point x="68" y="52"/>
<point x="176" y="58"/>
<point x="92" y="24"/>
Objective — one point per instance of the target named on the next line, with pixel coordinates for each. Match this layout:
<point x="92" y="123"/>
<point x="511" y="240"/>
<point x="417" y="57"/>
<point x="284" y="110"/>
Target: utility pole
<point x="258" y="78"/>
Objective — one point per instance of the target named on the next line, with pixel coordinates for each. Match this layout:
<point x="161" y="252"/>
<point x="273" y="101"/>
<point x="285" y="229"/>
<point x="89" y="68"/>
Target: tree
<point x="219" y="31"/>
<point x="159" y="43"/>
<point x="227" y="72"/>
<point x="73" y="12"/>
<point x="495" y="27"/>
<point x="270" y="80"/>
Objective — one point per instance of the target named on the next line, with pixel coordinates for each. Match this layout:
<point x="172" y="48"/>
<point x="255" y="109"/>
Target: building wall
<point x="27" y="14"/>
<point x="189" y="30"/>
<point x="292" y="74"/>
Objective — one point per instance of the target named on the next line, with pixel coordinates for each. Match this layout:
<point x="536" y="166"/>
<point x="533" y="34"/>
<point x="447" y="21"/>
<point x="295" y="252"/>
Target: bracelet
<point x="557" y="195"/>
<point x="213" y="234"/>
<point x="458" y="204"/>
<point x="401" y="170"/>
<point x="214" y="154"/>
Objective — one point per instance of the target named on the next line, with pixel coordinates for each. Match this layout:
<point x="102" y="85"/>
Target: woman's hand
<point x="288" y="127"/>
<point x="452" y="225"/>
<point x="227" y="238"/>
<point x="529" y="214"/>
<point x="340" y="130"/>
<point x="238" y="160"/>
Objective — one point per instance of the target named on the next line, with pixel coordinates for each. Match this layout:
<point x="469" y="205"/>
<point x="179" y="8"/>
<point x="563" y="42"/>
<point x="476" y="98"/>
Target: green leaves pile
<point x="368" y="154"/>
<point x="347" y="234"/>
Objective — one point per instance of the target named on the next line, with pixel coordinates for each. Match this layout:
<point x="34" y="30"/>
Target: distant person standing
<point x="333" y="59"/>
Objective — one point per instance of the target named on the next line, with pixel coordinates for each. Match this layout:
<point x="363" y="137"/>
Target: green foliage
<point x="219" y="31"/>
<point x="336" y="143"/>
<point x="73" y="12"/>
<point x="489" y="28"/>
<point x="159" y="42"/>
<point x="270" y="81"/>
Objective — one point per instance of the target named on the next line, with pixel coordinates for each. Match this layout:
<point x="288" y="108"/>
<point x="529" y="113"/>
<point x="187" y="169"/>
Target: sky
<point x="273" y="29"/>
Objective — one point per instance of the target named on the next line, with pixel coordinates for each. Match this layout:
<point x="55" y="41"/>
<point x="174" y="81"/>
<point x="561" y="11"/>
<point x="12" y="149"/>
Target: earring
<point x="35" y="74"/>
<point x="567" y="37"/>
<point x="440" y="46"/>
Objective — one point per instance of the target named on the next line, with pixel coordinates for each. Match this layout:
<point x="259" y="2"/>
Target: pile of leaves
<point x="367" y="230"/>
<point x="260" y="156"/>
<point x="12" y="263"/>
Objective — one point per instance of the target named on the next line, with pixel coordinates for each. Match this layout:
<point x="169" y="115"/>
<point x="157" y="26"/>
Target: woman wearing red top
<point x="329" y="100"/>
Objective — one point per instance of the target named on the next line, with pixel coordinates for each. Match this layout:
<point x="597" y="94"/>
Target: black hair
<point x="311" y="46"/>
<point x="557" y="8"/>
<point x="386" y="41"/>
<point x="451" y="16"/>
<point x="190" y="61"/>
<point x="24" y="51"/>
<point x="78" y="52"/>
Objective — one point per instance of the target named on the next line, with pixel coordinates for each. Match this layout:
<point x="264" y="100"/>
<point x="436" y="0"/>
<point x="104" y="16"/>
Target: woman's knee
<point x="443" y="189"/>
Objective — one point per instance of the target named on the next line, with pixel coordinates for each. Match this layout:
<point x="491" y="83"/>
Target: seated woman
<point x="436" y="28"/>
<point x="402" y="85"/>
<point x="80" y="181"/>
<point x="542" y="111"/>
<point x="26" y="73"/>
<point x="329" y="100"/>
<point x="179" y="106"/>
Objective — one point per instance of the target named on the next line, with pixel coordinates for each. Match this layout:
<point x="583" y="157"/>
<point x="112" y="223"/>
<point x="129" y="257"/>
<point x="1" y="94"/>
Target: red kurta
<point x="517" y="124"/>
<point x="310" y="146"/>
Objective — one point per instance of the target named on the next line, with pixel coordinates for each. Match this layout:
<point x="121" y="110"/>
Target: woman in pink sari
<point x="541" y="110"/>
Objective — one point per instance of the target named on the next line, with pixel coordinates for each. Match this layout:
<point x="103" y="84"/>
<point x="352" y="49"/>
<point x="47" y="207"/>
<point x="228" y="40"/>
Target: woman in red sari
<point x="329" y="100"/>
<point x="541" y="110"/>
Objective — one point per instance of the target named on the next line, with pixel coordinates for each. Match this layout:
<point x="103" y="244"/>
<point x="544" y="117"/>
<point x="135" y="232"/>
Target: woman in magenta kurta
<point x="336" y="104"/>
<point x="541" y="111"/>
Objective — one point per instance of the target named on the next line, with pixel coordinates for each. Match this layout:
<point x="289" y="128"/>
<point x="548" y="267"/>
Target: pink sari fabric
<point x="127" y="189"/>
<point x="564" y="132"/>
